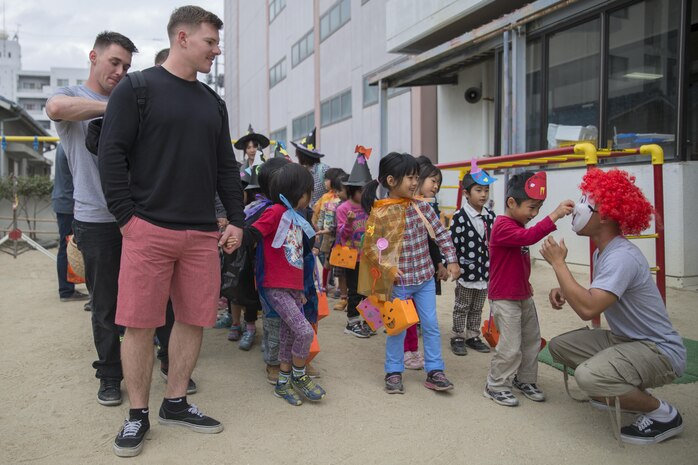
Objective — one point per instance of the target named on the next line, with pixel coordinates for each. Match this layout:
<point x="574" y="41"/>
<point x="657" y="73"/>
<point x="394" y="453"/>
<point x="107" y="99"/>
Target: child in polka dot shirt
<point x="470" y="229"/>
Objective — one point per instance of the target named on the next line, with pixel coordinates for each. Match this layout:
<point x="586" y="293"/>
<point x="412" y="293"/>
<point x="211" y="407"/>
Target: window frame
<point x="308" y="40"/>
<point x="326" y="18"/>
<point x="336" y="102"/>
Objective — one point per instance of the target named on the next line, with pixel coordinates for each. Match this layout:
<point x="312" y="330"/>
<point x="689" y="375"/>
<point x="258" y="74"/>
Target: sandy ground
<point x="50" y="415"/>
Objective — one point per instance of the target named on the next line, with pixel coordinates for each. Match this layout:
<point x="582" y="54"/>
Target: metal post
<point x="3" y="158"/>
<point x="383" y="116"/>
<point x="506" y="117"/>
<point x="518" y="88"/>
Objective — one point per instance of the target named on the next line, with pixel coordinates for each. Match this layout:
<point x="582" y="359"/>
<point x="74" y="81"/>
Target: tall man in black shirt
<point x="160" y="170"/>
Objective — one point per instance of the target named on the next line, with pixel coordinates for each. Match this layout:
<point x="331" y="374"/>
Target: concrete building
<point x="31" y="89"/>
<point x="10" y="64"/>
<point x="457" y="79"/>
<point x="35" y="87"/>
<point x="20" y="158"/>
<point x="292" y="66"/>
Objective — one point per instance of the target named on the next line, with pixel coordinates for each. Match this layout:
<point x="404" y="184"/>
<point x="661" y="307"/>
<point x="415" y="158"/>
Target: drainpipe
<point x="383" y="117"/>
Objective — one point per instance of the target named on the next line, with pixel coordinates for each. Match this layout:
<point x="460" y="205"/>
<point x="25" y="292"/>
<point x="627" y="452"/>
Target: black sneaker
<point x="190" y="418"/>
<point x="477" y="345"/>
<point x="458" y="346"/>
<point x="129" y="441"/>
<point x="393" y="383"/>
<point x="191" y="387"/>
<point x="75" y="297"/>
<point x="109" y="392"/>
<point x="437" y="381"/>
<point x="645" y="430"/>
<point x="356" y="329"/>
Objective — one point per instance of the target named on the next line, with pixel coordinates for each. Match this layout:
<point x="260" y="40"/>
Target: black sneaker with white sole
<point x="645" y="430"/>
<point x="506" y="398"/>
<point x="530" y="390"/>
<point x="129" y="441"/>
<point x="189" y="417"/>
<point x="109" y="392"/>
<point x="191" y="386"/>
<point x="356" y="329"/>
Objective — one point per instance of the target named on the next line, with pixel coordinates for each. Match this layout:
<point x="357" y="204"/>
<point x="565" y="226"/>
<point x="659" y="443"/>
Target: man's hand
<point x="454" y="271"/>
<point x="231" y="238"/>
<point x="316" y="251"/>
<point x="557" y="298"/>
<point x="562" y="210"/>
<point x="553" y="252"/>
<point x="441" y="272"/>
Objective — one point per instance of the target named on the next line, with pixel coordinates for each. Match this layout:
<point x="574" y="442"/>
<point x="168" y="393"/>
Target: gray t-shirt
<point x="640" y="312"/>
<point x="90" y="205"/>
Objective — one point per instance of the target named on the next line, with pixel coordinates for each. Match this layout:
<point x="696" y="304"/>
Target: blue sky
<point x="61" y="33"/>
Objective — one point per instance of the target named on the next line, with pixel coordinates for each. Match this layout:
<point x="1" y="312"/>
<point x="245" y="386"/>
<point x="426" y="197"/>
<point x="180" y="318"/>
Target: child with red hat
<point x="510" y="293"/>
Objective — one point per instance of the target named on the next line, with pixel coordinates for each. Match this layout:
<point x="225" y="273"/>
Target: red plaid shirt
<point x="415" y="261"/>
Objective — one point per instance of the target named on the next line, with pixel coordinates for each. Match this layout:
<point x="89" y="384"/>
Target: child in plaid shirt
<point x="406" y="226"/>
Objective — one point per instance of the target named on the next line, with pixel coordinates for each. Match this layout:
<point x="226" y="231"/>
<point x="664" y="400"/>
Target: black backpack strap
<point x="221" y="103"/>
<point x="140" y="87"/>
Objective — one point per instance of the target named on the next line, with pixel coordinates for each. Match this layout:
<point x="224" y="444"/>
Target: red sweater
<point x="283" y="267"/>
<point x="510" y="261"/>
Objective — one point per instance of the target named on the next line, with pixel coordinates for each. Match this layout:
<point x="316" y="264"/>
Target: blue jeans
<point x="424" y="296"/>
<point x="65" y="228"/>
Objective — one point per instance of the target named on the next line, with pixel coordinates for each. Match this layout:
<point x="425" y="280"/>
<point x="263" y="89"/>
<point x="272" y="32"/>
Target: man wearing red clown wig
<point x="641" y="350"/>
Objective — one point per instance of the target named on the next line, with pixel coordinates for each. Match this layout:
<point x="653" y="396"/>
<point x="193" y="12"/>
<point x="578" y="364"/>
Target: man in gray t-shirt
<point x="96" y="231"/>
<point x="641" y="350"/>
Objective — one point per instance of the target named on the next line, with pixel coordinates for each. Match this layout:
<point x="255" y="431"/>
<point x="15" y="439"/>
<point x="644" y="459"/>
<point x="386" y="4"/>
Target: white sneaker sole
<point x="659" y="438"/>
<point x="534" y="397"/>
<point x="129" y="451"/>
<point x="196" y="428"/>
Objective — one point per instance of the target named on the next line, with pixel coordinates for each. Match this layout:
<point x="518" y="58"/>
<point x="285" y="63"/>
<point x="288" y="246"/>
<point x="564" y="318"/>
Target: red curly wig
<point x="618" y="198"/>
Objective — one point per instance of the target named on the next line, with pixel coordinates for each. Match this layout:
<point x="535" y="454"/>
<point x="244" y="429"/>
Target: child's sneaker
<point x="286" y="392"/>
<point x="477" y="345"/>
<point x="530" y="390"/>
<point x="224" y="320"/>
<point x="437" y="381"/>
<point x="506" y="398"/>
<point x="341" y="304"/>
<point x="458" y="346"/>
<point x="272" y="374"/>
<point x="368" y="329"/>
<point x="393" y="383"/>
<point x="645" y="430"/>
<point x="311" y="371"/>
<point x="309" y="388"/>
<point x="356" y="329"/>
<point x="247" y="340"/>
<point x="413" y="361"/>
<point x="234" y="333"/>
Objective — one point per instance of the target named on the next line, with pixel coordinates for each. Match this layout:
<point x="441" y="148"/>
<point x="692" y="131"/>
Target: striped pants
<point x="467" y="311"/>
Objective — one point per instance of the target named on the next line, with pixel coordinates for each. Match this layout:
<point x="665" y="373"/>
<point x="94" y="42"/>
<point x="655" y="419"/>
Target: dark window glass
<point x="573" y="85"/>
<point x="643" y="74"/>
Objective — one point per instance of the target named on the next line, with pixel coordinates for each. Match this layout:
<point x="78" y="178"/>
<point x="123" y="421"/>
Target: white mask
<point x="582" y="213"/>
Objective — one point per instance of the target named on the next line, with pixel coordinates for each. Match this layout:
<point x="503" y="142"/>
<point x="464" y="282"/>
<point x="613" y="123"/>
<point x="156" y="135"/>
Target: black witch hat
<point x="241" y="143"/>
<point x="280" y="151"/>
<point x="360" y="174"/>
<point x="306" y="146"/>
<point x="253" y="182"/>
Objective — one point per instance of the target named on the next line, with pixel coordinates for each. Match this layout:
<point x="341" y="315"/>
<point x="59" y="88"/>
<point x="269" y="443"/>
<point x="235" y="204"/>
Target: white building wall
<point x="10" y="64"/>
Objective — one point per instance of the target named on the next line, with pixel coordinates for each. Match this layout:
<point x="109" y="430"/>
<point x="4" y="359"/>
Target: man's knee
<point x="586" y="380"/>
<point x="554" y="347"/>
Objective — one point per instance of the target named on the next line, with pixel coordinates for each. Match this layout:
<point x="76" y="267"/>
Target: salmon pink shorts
<point x="159" y="263"/>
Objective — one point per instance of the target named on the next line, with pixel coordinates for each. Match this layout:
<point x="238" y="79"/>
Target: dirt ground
<point x="50" y="415"/>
